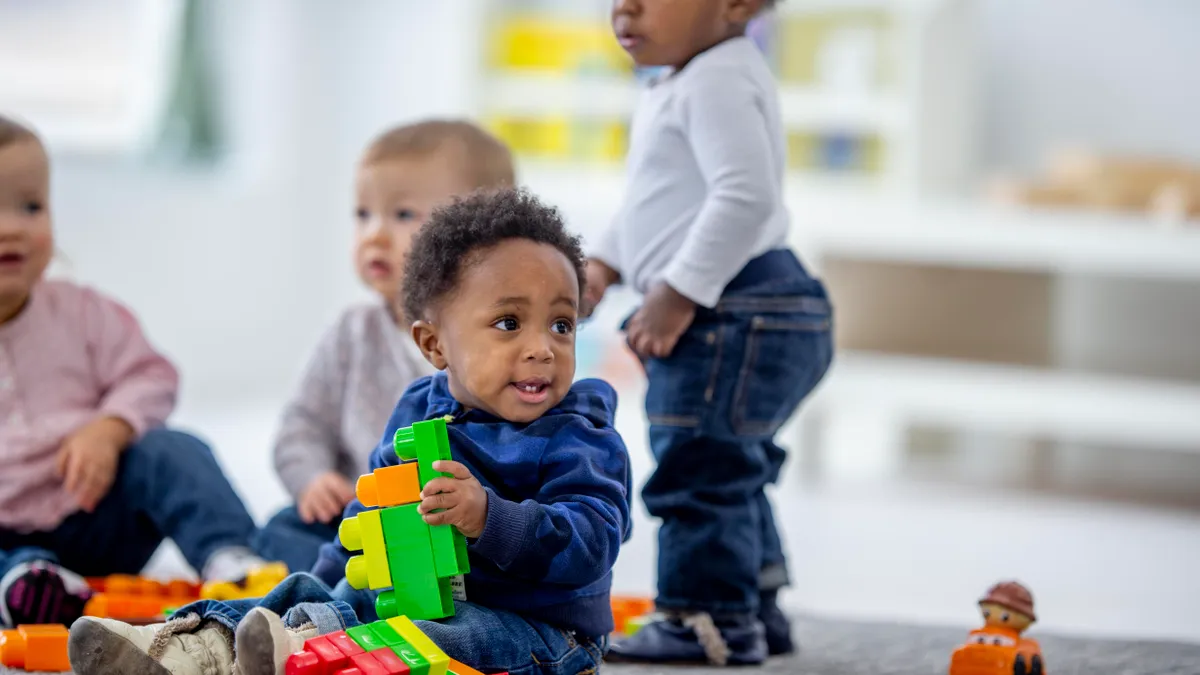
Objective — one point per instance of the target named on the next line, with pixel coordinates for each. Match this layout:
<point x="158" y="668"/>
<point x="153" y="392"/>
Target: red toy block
<point x="391" y="661"/>
<point x="345" y="643"/>
<point x="331" y="658"/>
<point x="349" y="671"/>
<point x="303" y="663"/>
<point x="368" y="664"/>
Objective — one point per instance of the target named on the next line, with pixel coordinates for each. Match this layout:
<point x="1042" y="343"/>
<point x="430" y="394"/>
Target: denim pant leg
<point x="497" y="641"/>
<point x="168" y="484"/>
<point x="288" y="538"/>
<point x="299" y="599"/>
<point x="714" y="407"/>
<point x="24" y="554"/>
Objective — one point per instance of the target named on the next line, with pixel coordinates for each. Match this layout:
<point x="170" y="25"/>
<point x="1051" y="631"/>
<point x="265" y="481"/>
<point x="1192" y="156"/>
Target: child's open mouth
<point x="534" y="390"/>
<point x="11" y="260"/>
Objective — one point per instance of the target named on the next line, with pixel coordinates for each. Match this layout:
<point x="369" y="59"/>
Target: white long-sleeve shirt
<point x="705" y="174"/>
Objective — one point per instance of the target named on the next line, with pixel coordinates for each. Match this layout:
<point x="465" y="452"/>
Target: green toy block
<point x="386" y="634"/>
<point x="365" y="638"/>
<point x="416" y="591"/>
<point x="426" y="442"/>
<point x="449" y="551"/>
<point x="417" y="664"/>
<point x="437" y="659"/>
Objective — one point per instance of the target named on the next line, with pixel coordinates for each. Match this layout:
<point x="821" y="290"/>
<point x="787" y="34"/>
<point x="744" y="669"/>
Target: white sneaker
<point x="264" y="643"/>
<point x="182" y="646"/>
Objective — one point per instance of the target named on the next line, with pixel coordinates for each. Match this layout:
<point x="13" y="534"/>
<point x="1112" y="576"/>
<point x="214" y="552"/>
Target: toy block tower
<point x="412" y="562"/>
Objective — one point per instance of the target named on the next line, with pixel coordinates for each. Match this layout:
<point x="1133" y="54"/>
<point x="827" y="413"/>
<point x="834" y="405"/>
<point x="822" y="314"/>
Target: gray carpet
<point x="844" y="648"/>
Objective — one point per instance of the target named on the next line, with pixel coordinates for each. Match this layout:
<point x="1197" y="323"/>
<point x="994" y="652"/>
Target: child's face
<point x="394" y="198"/>
<point x="26" y="241"/>
<point x="506" y="334"/>
<point x="671" y="32"/>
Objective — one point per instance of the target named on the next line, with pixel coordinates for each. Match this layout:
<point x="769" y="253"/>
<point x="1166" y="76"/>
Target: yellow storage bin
<point x="557" y="45"/>
<point x="563" y="138"/>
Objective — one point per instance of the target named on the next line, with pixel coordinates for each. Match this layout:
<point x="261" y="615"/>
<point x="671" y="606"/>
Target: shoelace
<point x="715" y="647"/>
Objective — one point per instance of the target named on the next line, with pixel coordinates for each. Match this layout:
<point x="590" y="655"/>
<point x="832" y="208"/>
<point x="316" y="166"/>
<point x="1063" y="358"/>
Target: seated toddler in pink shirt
<point x="91" y="482"/>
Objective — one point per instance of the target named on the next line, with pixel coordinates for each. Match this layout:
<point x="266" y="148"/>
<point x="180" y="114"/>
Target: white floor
<point x="890" y="551"/>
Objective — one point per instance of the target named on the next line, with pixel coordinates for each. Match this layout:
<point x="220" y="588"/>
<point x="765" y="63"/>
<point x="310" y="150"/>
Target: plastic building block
<point x="367" y="664"/>
<point x="37" y="647"/>
<point x="258" y="583"/>
<point x="438" y="661"/>
<point x="303" y="663"/>
<point x="998" y="648"/>
<point x="349" y="671"/>
<point x="416" y="589"/>
<point x="366" y="638"/>
<point x="628" y="607"/>
<point x="345" y="644"/>
<point x="364" y="532"/>
<point x="458" y="668"/>
<point x="390" y="486"/>
<point x="329" y="656"/>
<point x="391" y="661"/>
<point x="386" y="633"/>
<point x="412" y="658"/>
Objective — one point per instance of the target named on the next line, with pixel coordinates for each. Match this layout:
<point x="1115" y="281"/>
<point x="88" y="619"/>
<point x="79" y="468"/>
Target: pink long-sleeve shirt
<point x="71" y="356"/>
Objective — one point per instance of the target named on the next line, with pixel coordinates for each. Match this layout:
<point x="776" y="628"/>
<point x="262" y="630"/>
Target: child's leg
<point x="714" y="407"/>
<point x="495" y="641"/>
<point x="168" y="485"/>
<point x="288" y="538"/>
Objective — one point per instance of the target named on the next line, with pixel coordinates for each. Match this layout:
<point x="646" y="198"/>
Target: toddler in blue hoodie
<point x="540" y="486"/>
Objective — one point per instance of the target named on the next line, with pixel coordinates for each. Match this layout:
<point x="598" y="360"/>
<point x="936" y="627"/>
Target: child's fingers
<point x="438" y="485"/>
<point x="456" y="469"/>
<point x="74" y="473"/>
<point x="444" y="500"/>
<point x="439" y="518"/>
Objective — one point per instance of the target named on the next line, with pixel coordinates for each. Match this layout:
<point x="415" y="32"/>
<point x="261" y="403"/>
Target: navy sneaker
<point x="778" y="627"/>
<point x="42" y="592"/>
<point x="694" y="639"/>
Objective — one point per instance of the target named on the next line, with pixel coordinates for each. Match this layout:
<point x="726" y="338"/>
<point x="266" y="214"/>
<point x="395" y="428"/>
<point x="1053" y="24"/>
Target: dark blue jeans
<point x="714" y="407"/>
<point x="288" y="538"/>
<point x="489" y="640"/>
<point x="168" y="484"/>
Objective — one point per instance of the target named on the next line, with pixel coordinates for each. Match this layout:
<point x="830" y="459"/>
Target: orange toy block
<point x="459" y="668"/>
<point x="626" y="607"/>
<point x="35" y="647"/>
<point x="390" y="486"/>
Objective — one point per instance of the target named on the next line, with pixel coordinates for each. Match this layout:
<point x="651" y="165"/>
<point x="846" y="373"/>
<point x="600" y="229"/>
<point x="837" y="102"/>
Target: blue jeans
<point x="714" y="406"/>
<point x="168" y="484"/>
<point x="488" y="640"/>
<point x="288" y="538"/>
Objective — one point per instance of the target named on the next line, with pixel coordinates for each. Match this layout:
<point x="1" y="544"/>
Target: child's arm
<point x="726" y="125"/>
<point x="307" y="445"/>
<point x="139" y="384"/>
<point x="571" y="533"/>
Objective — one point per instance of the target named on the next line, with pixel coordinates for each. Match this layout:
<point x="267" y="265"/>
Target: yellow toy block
<point x="364" y="532"/>
<point x="439" y="663"/>
<point x="390" y="486"/>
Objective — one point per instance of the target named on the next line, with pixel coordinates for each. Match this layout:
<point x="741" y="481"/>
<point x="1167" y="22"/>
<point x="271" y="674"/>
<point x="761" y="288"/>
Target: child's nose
<point x="539" y="350"/>
<point x="625" y="6"/>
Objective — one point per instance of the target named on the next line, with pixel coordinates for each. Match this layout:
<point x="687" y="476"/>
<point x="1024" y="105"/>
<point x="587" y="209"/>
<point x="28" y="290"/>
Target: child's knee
<point x="168" y="445"/>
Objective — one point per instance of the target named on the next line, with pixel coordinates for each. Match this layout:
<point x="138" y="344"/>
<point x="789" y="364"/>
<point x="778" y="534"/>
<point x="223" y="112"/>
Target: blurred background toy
<point x="998" y="648"/>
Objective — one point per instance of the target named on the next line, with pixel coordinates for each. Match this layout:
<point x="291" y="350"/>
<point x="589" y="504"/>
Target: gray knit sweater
<point x="349" y="388"/>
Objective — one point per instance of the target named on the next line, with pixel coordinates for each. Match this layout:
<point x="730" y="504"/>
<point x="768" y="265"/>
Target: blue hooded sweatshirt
<point x="558" y="492"/>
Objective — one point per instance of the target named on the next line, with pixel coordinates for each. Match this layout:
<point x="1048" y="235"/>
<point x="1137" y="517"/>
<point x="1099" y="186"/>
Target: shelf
<point x="804" y="108"/>
<point x="973" y="235"/>
<point x="1014" y="400"/>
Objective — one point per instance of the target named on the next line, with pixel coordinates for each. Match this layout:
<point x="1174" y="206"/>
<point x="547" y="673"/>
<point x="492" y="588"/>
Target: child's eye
<point x="33" y="207"/>
<point x="362" y="214"/>
<point x="562" y="327"/>
<point x="506" y="324"/>
<point x="405" y="214"/>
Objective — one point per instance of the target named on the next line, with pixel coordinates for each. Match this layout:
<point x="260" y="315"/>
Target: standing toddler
<point x="733" y="332"/>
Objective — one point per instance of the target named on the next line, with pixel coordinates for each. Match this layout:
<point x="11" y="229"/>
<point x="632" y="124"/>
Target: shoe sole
<point x="40" y="596"/>
<point x="255" y="648"/>
<point x="93" y="649"/>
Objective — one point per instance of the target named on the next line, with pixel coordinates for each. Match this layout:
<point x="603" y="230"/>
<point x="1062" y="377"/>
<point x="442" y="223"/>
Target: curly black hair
<point x="446" y="243"/>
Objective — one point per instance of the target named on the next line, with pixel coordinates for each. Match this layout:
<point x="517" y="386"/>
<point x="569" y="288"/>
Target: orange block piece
<point x="626" y="607"/>
<point x="390" y="486"/>
<point x="35" y="647"/>
<point x="458" y="668"/>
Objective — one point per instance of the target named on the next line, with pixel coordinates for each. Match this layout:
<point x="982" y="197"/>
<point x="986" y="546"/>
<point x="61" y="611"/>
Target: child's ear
<point x="425" y="334"/>
<point x="742" y="11"/>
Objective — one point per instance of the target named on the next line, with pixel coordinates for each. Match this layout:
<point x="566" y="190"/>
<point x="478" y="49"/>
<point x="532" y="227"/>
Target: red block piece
<point x="368" y="664"/>
<point x="330" y="657"/>
<point x="391" y="661"/>
<point x="345" y="643"/>
<point x="303" y="663"/>
<point x="349" y="671"/>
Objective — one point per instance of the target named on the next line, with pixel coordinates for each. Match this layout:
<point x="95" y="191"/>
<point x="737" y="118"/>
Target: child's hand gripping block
<point x="399" y="550"/>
